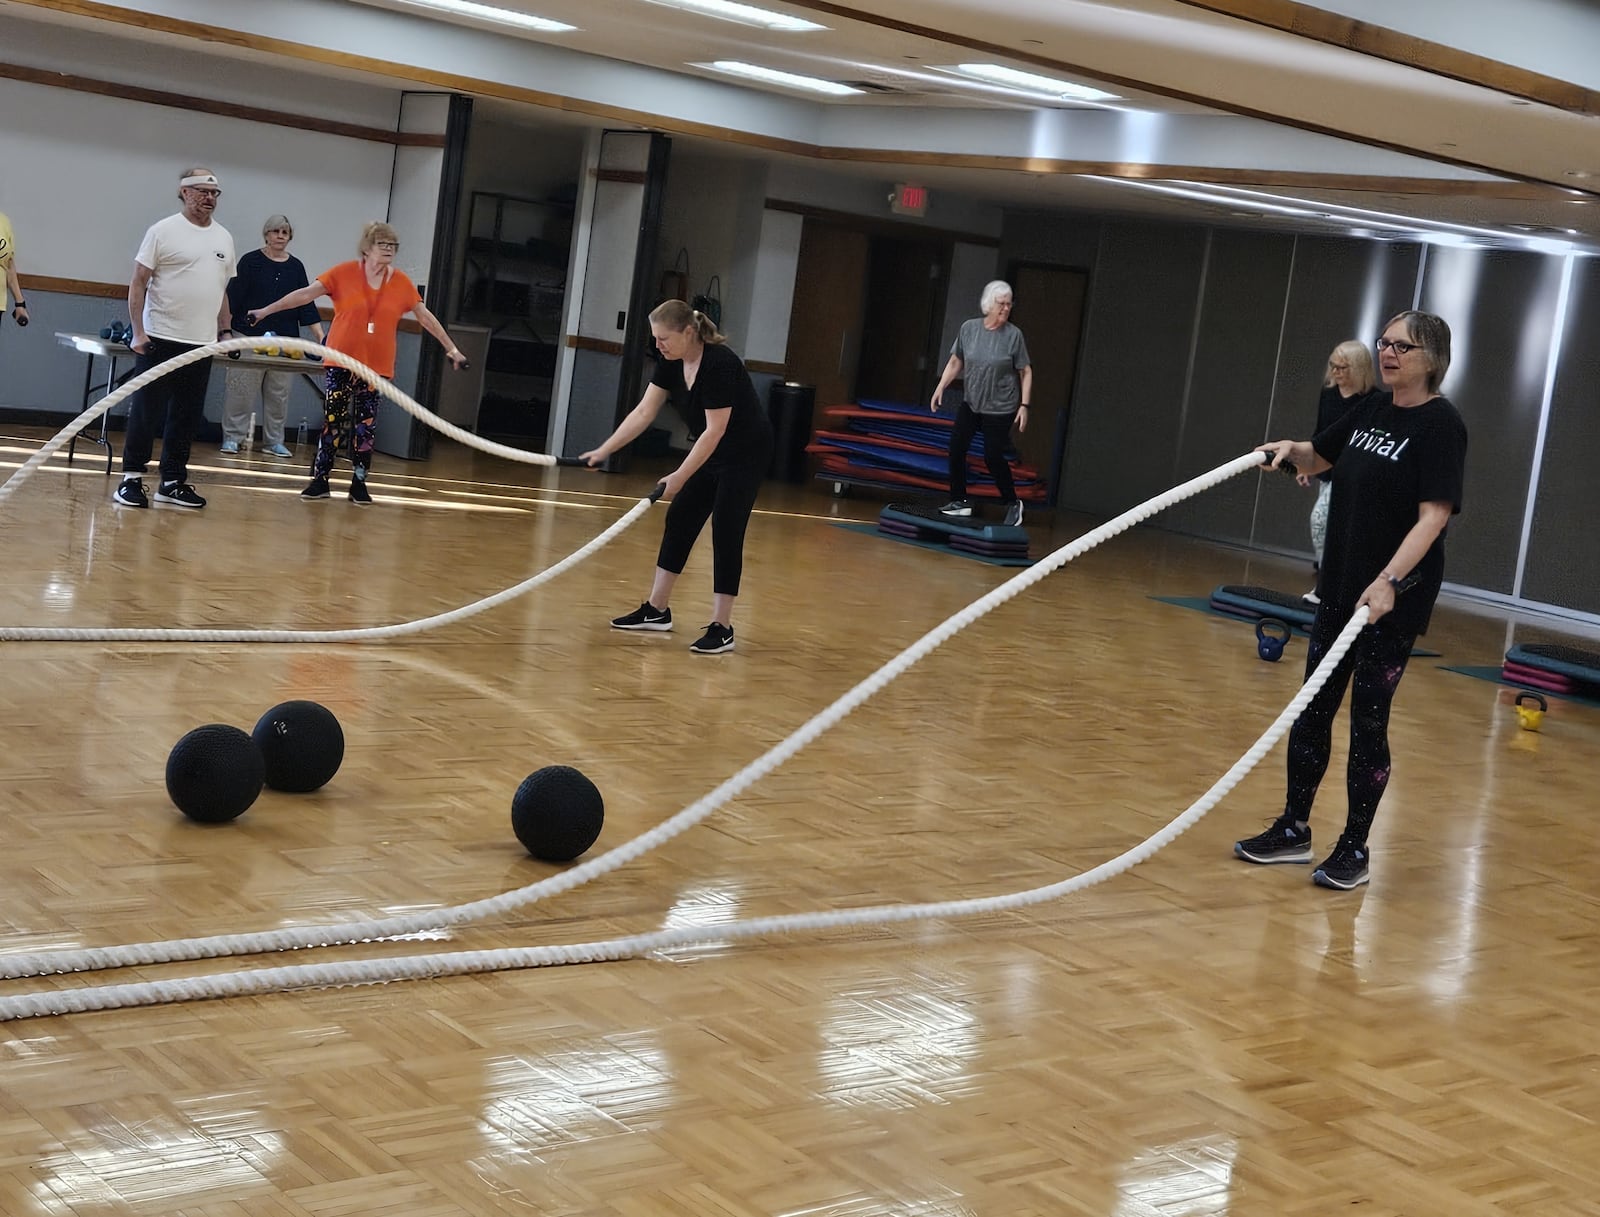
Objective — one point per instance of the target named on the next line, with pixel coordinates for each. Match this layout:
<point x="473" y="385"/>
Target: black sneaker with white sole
<point x="316" y="488"/>
<point x="179" y="494"/>
<point x="359" y="494"/>
<point x="130" y="493"/>
<point x="1345" y="868"/>
<point x="957" y="507"/>
<point x="1282" y="842"/>
<point x="646" y="617"/>
<point x="1014" y="514"/>
<point x="717" y="639"/>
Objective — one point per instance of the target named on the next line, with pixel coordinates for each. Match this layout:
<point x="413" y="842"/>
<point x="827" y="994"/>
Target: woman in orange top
<point x="369" y="298"/>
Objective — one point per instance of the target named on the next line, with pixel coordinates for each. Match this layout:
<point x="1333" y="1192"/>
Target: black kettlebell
<point x="1269" y="643"/>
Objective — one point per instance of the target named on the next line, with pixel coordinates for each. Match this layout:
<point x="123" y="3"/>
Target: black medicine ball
<point x="302" y="744"/>
<point x="557" y="813"/>
<point x="214" y="773"/>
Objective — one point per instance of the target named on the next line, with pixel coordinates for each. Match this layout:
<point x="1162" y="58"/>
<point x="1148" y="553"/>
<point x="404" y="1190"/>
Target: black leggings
<point x="180" y="396"/>
<point x="1377" y="660"/>
<point x="726" y="496"/>
<point x="996" y="435"/>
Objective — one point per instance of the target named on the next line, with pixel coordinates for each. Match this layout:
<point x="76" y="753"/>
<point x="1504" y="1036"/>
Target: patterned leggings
<point x="350" y="421"/>
<point x="1319" y="519"/>
<point x="1376" y="662"/>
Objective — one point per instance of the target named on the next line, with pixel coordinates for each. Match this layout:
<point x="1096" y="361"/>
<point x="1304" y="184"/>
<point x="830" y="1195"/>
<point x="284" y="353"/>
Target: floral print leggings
<point x="1372" y="667"/>
<point x="350" y="421"/>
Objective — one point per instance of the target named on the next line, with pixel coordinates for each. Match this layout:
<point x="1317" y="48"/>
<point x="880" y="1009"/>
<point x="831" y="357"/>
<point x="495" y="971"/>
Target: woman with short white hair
<point x="990" y="356"/>
<point x="265" y="274"/>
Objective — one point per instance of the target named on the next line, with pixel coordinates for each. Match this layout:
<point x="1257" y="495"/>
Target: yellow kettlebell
<point x="1530" y="717"/>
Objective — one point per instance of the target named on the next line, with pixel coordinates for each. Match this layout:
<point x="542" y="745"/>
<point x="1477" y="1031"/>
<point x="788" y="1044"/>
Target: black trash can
<point x="789" y="406"/>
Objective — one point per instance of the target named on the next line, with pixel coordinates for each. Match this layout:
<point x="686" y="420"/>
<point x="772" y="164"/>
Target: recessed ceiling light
<point x="1030" y="82"/>
<point x="789" y="80"/>
<point x="488" y="12"/>
<point x="744" y="14"/>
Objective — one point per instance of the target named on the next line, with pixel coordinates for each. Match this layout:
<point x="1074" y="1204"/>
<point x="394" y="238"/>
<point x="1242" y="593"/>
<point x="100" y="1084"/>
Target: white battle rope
<point x="458" y="963"/>
<point x="365" y="634"/>
<point x="293" y="938"/>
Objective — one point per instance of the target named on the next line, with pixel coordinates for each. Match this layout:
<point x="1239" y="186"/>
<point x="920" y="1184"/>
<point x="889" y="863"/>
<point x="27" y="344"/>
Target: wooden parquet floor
<point x="1195" y="1037"/>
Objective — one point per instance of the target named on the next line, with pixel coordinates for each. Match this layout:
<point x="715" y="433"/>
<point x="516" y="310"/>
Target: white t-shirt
<point x="190" y="269"/>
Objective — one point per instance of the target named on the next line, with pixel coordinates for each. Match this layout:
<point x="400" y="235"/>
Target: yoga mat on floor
<point x="1201" y="604"/>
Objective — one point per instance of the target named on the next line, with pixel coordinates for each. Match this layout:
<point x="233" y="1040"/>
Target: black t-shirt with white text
<point x="722" y="383"/>
<point x="1387" y="461"/>
<point x="1331" y="407"/>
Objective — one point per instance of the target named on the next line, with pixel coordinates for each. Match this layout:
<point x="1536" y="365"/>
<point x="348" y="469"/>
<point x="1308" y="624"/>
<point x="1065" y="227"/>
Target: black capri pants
<point x="726" y="495"/>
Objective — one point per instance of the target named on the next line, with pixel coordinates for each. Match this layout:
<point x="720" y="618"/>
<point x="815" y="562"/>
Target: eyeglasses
<point x="386" y="245"/>
<point x="1399" y="348"/>
<point x="1338" y="367"/>
<point x="206" y="192"/>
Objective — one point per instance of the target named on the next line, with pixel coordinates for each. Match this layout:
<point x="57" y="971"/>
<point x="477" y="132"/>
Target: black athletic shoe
<point x="957" y="507"/>
<point x="130" y="493"/>
<point x="1014" y="514"/>
<point x="179" y="494"/>
<point x="1283" y="842"/>
<point x="1345" y="868"/>
<point x="716" y="639"/>
<point x="359" y="494"/>
<point x="317" y="488"/>
<point x="646" y="617"/>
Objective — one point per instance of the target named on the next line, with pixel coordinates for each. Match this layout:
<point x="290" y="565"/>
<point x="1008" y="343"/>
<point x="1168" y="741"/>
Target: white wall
<point x="85" y="175"/>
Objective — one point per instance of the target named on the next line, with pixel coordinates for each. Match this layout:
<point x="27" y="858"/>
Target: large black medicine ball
<point x="214" y="773"/>
<point x="557" y="813"/>
<point x="302" y="744"/>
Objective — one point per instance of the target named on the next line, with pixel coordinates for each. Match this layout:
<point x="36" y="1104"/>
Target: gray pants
<point x="1319" y="519"/>
<point x="245" y="387"/>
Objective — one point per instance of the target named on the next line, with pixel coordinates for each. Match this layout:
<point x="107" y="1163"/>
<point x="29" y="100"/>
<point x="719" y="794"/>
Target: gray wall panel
<point x="1230" y="388"/>
<point x="1563" y="552"/>
<point x="1501" y="310"/>
<point x="1131" y="370"/>
<point x="1341" y="289"/>
<point x="595" y="378"/>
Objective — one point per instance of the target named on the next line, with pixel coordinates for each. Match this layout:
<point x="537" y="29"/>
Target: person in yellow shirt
<point x="10" y="285"/>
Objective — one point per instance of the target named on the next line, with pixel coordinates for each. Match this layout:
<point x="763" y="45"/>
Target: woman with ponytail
<point x="719" y="478"/>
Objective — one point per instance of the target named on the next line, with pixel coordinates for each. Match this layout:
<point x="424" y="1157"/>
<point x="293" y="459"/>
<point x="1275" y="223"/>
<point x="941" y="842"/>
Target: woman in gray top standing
<point x="991" y="358"/>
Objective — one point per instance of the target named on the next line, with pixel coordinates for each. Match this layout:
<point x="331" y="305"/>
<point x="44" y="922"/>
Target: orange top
<point x="365" y="318"/>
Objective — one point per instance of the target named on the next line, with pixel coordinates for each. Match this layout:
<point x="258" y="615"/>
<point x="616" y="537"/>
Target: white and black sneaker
<point x="1014" y="514"/>
<point x="130" y="493"/>
<point x="957" y="507"/>
<point x="646" y="617"/>
<point x="717" y="639"/>
<point x="179" y="494"/>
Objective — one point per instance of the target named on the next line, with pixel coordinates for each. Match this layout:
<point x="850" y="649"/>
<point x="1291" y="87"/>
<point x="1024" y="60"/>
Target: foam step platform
<point x="1575" y="664"/>
<point x="1539" y="678"/>
<point x="969" y="534"/>
<point x="1264" y="602"/>
<point x="925" y="515"/>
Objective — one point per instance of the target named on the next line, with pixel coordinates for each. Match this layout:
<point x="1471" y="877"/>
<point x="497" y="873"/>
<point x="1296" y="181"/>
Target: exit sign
<point x="909" y="200"/>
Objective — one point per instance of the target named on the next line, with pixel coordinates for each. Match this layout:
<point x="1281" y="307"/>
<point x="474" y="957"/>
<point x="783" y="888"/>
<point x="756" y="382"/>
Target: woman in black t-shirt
<point x="719" y="478"/>
<point x="1398" y="460"/>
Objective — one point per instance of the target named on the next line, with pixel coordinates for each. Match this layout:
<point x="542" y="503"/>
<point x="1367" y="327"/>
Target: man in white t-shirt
<point x="177" y="300"/>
